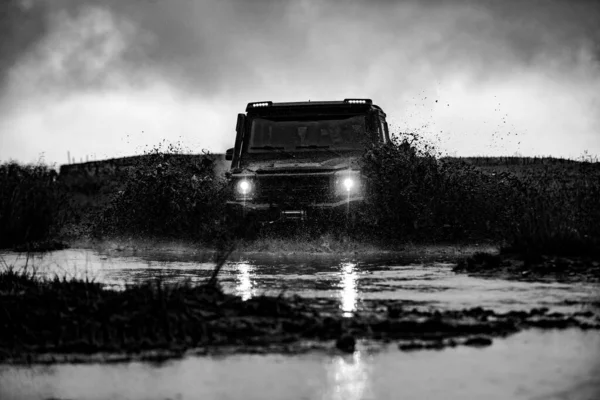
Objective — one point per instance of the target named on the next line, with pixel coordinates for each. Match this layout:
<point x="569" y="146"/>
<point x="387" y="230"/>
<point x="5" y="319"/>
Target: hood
<point x="307" y="165"/>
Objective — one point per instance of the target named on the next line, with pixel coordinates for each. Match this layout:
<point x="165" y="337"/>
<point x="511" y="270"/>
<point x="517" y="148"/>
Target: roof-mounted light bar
<point x="260" y="104"/>
<point x="358" y="101"/>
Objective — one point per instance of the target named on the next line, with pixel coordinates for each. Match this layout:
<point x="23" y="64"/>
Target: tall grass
<point x="30" y="203"/>
<point x="561" y="213"/>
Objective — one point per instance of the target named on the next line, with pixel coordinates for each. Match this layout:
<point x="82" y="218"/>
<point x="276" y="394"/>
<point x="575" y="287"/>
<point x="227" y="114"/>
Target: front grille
<point x="294" y="189"/>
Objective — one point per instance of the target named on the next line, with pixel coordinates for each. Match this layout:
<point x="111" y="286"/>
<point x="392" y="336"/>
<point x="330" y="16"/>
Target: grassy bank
<point x="46" y="318"/>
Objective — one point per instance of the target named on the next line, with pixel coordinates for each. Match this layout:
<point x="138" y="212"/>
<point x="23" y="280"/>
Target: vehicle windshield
<point x="322" y="134"/>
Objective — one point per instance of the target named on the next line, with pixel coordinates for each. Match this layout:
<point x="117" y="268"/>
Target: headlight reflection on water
<point x="348" y="374"/>
<point x="349" y="288"/>
<point x="348" y="377"/>
<point x="244" y="285"/>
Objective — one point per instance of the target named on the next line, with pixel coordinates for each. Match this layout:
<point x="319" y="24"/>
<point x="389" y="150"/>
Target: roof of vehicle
<point x="346" y="104"/>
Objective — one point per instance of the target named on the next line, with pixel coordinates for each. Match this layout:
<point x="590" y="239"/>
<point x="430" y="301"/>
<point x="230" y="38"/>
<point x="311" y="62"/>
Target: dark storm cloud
<point x="558" y="28"/>
<point x="21" y="26"/>
<point x="213" y="46"/>
<point x="201" y="46"/>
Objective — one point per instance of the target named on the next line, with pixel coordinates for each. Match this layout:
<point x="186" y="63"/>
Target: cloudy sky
<point x="107" y="78"/>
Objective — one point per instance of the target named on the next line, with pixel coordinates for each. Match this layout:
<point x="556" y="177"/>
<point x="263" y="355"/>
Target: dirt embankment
<point x="58" y="320"/>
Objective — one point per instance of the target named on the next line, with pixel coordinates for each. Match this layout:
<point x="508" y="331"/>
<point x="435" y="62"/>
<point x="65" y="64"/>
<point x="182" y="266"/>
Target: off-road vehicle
<point x="296" y="161"/>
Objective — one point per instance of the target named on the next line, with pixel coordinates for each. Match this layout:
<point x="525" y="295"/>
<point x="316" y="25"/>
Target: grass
<point x="80" y="316"/>
<point x="560" y="213"/>
<point x="30" y="204"/>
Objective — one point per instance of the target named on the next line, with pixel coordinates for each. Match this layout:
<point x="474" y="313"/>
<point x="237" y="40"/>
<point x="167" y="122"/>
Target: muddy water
<point x="529" y="365"/>
<point x="353" y="281"/>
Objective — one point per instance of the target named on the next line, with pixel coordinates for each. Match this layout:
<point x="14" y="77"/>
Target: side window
<point x="382" y="129"/>
<point x="385" y="129"/>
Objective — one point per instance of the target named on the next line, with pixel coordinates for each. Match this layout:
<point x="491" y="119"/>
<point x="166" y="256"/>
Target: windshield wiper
<point x="314" y="146"/>
<point x="278" y="149"/>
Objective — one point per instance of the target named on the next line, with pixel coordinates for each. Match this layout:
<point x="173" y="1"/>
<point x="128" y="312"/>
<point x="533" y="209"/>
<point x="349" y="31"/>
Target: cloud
<point x="538" y="62"/>
<point x="21" y="26"/>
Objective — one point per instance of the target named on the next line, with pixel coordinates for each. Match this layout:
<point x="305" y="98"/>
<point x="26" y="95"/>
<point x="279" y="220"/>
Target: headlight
<point x="348" y="184"/>
<point x="244" y="187"/>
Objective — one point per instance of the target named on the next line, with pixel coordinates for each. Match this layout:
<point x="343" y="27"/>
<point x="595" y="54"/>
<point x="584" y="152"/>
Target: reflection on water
<point x="347" y="377"/>
<point x="555" y="364"/>
<point x="244" y="282"/>
<point x="349" y="288"/>
<point x="246" y="278"/>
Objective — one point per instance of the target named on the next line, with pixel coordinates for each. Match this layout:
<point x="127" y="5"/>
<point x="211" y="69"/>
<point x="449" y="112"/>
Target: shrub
<point x="167" y="194"/>
<point x="30" y="203"/>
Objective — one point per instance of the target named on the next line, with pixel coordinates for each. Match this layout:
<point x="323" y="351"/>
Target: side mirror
<point x="229" y="155"/>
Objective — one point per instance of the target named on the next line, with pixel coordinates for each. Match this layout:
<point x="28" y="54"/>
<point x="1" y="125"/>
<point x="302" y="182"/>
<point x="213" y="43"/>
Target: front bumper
<point x="275" y="212"/>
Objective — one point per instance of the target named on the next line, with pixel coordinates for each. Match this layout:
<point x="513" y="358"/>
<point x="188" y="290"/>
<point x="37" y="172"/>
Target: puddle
<point x="529" y="365"/>
<point x="533" y="364"/>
